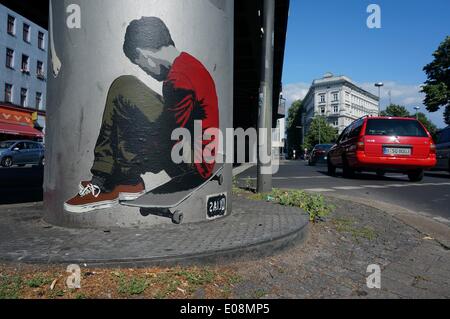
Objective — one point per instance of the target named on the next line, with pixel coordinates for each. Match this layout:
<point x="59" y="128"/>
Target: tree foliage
<point x="396" y="111"/>
<point x="293" y="124"/>
<point x="437" y="87"/>
<point x="320" y="132"/>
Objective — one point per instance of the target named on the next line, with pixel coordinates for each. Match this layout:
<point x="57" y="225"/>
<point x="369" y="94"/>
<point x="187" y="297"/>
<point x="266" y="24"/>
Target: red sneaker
<point x="126" y="192"/>
<point x="91" y="198"/>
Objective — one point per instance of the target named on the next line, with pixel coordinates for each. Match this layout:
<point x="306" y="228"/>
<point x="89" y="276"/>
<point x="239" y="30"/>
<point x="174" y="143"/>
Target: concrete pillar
<point x="125" y="73"/>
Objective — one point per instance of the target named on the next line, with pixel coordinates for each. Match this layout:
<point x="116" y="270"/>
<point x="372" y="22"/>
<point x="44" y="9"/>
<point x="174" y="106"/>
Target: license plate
<point x="216" y="206"/>
<point x="397" y="151"/>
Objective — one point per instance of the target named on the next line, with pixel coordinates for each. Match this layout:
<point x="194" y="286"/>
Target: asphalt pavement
<point x="21" y="184"/>
<point x="430" y="197"/>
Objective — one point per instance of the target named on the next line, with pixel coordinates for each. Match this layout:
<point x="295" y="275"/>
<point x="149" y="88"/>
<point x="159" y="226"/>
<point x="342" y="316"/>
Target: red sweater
<point x="190" y="93"/>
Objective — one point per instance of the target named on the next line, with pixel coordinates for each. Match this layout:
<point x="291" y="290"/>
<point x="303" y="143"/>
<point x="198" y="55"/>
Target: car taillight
<point x="432" y="148"/>
<point x="361" y="145"/>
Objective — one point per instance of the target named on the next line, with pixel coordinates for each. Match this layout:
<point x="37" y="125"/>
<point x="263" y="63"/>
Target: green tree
<point x="320" y="132"/>
<point x="396" y="110"/>
<point x="293" y="124"/>
<point x="437" y="87"/>
<point x="428" y="124"/>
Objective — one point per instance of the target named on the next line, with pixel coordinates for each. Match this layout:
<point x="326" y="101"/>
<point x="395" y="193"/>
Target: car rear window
<point x="324" y="147"/>
<point x="381" y="127"/>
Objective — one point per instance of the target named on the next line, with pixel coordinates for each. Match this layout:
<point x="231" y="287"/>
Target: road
<point x="430" y="197"/>
<point x="21" y="185"/>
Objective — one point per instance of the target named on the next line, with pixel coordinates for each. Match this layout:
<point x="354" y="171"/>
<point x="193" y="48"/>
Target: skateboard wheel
<point x="220" y="180"/>
<point x="177" y="218"/>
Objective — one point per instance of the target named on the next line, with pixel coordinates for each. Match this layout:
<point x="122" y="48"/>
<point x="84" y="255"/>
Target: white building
<point x="339" y="100"/>
<point x="23" y="56"/>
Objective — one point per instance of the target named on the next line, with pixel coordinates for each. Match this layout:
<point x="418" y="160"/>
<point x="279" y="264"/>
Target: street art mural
<point x="137" y="124"/>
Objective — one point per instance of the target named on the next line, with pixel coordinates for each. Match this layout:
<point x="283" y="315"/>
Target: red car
<point x="384" y="144"/>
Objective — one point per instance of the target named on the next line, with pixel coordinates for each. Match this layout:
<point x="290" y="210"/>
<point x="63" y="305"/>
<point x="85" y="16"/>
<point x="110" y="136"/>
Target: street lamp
<point x="379" y="86"/>
<point x="417" y="108"/>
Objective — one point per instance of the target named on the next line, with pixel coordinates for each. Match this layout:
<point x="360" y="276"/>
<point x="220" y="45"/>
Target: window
<point x="8" y="93"/>
<point x="25" y="63"/>
<point x="38" y="100"/>
<point x="10" y="58"/>
<point x="40" y="70"/>
<point x="336" y="109"/>
<point x="335" y="122"/>
<point x="322" y="98"/>
<point x="26" y="33"/>
<point x="411" y="128"/>
<point x="23" y="97"/>
<point x="11" y="25"/>
<point x="335" y="97"/>
<point x="322" y="110"/>
<point x="356" y="129"/>
<point x="20" y="146"/>
<point x="41" y="40"/>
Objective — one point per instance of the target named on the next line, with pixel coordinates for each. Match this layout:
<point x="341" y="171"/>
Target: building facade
<point x="23" y="72"/>
<point x="339" y="100"/>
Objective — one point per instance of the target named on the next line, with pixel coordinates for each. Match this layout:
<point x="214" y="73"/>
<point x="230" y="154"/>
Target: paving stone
<point x="333" y="264"/>
<point x="254" y="228"/>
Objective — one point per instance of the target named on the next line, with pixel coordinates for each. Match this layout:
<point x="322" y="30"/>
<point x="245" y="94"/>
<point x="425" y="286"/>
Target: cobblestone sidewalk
<point x="334" y="260"/>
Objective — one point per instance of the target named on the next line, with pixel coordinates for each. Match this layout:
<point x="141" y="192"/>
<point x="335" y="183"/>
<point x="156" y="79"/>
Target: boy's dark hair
<point x="147" y="32"/>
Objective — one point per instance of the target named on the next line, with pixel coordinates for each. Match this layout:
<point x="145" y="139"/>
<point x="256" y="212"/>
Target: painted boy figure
<point x="135" y="136"/>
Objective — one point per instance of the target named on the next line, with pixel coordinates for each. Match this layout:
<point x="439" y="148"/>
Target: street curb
<point x="255" y="230"/>
<point x="423" y="224"/>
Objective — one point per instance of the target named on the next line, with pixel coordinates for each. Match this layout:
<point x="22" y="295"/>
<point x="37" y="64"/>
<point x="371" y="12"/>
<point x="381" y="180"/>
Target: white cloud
<point x="408" y="95"/>
<point x="294" y="92"/>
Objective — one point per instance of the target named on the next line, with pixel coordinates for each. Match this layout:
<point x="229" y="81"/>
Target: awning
<point x="19" y="130"/>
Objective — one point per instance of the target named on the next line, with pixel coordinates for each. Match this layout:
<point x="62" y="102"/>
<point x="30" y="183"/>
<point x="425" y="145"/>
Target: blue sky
<point x="332" y="36"/>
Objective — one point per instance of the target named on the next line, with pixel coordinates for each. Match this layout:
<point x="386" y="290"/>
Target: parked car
<point x="21" y="153"/>
<point x="443" y="150"/>
<point x="384" y="144"/>
<point x="319" y="154"/>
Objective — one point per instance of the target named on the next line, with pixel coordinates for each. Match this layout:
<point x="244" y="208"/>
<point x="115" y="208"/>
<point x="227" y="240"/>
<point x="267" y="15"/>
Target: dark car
<point x="21" y="153"/>
<point x="443" y="150"/>
<point x="384" y="144"/>
<point x="319" y="154"/>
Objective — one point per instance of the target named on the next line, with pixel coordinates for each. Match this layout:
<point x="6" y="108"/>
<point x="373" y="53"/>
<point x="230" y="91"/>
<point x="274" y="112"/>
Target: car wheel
<point x="416" y="176"/>
<point x="331" y="168"/>
<point x="42" y="162"/>
<point x="7" y="162"/>
<point x="347" y="171"/>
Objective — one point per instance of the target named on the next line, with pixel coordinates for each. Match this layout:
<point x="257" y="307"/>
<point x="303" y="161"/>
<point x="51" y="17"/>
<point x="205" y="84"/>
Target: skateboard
<point x="159" y="203"/>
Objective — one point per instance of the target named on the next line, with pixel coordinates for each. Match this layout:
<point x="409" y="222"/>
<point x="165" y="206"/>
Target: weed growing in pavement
<point x="347" y="225"/>
<point x="314" y="205"/>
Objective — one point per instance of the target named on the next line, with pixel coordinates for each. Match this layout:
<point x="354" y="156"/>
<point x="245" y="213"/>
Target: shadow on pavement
<point x="438" y="174"/>
<point x="21" y="185"/>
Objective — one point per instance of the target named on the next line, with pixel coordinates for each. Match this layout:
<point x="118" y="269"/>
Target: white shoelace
<point x="90" y="189"/>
